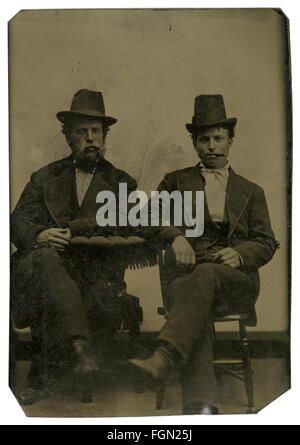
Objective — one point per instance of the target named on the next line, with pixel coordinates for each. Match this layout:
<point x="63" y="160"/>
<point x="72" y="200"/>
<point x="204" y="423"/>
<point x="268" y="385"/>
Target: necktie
<point x="219" y="173"/>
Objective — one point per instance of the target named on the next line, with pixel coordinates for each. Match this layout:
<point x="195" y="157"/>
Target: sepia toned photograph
<point x="150" y="205"/>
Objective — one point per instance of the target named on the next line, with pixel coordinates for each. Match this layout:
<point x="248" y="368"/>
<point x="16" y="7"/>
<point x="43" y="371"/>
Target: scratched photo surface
<point x="150" y="65"/>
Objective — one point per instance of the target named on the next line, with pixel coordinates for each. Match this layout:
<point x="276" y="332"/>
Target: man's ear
<point x="68" y="139"/>
<point x="70" y="144"/>
<point x="194" y="141"/>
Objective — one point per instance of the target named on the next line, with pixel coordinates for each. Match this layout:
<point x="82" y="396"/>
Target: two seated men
<point x="217" y="269"/>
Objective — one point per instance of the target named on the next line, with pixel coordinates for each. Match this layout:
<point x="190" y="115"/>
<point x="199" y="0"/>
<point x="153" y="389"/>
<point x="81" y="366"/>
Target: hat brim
<point x="194" y="127"/>
<point x="67" y="116"/>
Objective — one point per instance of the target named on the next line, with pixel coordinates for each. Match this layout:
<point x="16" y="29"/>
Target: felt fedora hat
<point x="209" y="111"/>
<point x="86" y="103"/>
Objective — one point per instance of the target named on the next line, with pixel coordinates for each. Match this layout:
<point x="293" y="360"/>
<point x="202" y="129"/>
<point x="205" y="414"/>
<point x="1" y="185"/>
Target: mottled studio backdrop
<point x="150" y="65"/>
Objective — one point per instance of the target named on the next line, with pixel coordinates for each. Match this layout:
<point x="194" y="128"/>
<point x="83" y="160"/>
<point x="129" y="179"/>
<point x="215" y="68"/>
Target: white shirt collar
<point x="214" y="170"/>
<point x="220" y="174"/>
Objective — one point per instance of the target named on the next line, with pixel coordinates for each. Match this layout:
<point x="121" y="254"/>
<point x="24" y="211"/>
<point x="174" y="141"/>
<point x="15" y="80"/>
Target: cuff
<point x="80" y="226"/>
<point x="240" y="257"/>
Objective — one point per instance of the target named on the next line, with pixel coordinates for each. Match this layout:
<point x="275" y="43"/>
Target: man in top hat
<point x="48" y="278"/>
<point x="216" y="273"/>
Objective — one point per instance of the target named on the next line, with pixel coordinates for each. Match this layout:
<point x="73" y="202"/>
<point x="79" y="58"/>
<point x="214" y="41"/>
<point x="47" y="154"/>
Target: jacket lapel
<point x="237" y="197"/>
<point x="59" y="193"/>
<point x="89" y="206"/>
<point x="194" y="181"/>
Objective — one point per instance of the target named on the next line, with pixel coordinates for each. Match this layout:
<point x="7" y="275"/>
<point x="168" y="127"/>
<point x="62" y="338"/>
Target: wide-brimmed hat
<point x="209" y="110"/>
<point x="86" y="103"/>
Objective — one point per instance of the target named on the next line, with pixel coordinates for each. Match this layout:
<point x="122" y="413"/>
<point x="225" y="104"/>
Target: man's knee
<point x="46" y="256"/>
<point x="205" y="271"/>
<point x="205" y="279"/>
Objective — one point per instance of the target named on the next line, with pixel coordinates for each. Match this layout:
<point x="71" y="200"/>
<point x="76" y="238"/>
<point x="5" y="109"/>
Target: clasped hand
<point x="186" y="257"/>
<point x="55" y="238"/>
<point x="229" y="257"/>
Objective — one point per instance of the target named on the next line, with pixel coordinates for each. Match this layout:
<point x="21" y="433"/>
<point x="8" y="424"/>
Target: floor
<point x="114" y="398"/>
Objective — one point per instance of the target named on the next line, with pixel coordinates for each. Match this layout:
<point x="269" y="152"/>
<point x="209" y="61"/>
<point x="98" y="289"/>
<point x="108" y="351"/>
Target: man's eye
<point x="80" y="131"/>
<point x="203" y="140"/>
<point x="219" y="138"/>
<point x="96" y="130"/>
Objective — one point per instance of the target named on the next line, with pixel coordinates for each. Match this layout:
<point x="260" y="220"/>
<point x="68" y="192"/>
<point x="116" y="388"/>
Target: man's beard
<point x="86" y="163"/>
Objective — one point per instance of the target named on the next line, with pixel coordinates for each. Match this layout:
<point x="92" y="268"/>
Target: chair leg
<point x="85" y="384"/>
<point x="133" y="337"/>
<point x="134" y="331"/>
<point x="217" y="372"/>
<point x="218" y="376"/>
<point x="86" y="388"/>
<point x="134" y="334"/>
<point x="160" y="394"/>
<point x="139" y="385"/>
<point x="248" y="373"/>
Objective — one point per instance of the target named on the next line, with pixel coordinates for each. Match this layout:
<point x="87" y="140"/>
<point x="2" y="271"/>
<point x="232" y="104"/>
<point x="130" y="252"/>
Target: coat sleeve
<point x="261" y="244"/>
<point x="30" y="216"/>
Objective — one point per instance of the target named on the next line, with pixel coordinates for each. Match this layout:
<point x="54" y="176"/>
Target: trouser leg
<point x="194" y="296"/>
<point x="198" y="379"/>
<point x="59" y="297"/>
<point x="102" y="333"/>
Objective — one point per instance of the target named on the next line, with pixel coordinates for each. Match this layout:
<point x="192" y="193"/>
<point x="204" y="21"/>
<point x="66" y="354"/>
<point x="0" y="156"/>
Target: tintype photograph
<point x="150" y="190"/>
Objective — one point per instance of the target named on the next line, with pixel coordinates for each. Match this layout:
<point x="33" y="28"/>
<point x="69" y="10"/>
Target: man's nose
<point x="211" y="144"/>
<point x="89" y="135"/>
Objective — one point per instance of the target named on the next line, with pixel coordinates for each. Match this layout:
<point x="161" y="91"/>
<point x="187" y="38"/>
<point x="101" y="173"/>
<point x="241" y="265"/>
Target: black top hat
<point x="209" y="111"/>
<point x="86" y="103"/>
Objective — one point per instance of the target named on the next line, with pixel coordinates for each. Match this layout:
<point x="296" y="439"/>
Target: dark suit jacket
<point x="49" y="200"/>
<point x="250" y="232"/>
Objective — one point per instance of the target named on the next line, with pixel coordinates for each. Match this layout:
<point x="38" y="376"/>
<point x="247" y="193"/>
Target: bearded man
<point x="52" y="285"/>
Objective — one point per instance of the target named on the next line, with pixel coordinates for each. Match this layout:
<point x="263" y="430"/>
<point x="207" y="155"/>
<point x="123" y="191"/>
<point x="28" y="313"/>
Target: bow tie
<point x="216" y="171"/>
<point x="85" y="168"/>
<point x="220" y="174"/>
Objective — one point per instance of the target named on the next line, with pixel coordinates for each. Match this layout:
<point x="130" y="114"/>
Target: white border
<point x="282" y="411"/>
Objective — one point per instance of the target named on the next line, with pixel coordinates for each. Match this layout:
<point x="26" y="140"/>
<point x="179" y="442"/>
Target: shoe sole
<point x="138" y="376"/>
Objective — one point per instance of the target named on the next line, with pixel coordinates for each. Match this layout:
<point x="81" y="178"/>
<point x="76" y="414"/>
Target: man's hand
<point x="55" y="238"/>
<point x="184" y="253"/>
<point x="228" y="257"/>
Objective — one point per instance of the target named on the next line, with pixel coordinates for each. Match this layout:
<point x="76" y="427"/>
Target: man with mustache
<point x="215" y="274"/>
<point x="49" y="279"/>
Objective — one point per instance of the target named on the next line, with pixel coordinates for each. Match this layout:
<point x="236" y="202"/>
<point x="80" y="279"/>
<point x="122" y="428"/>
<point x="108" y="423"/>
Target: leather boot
<point x="85" y="368"/>
<point x="200" y="408"/>
<point x="40" y="385"/>
<point x="84" y="362"/>
<point x="157" y="368"/>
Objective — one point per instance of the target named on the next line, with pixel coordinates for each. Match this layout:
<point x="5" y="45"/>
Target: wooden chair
<point x="240" y="367"/>
<point x="237" y="367"/>
<point x="21" y="348"/>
